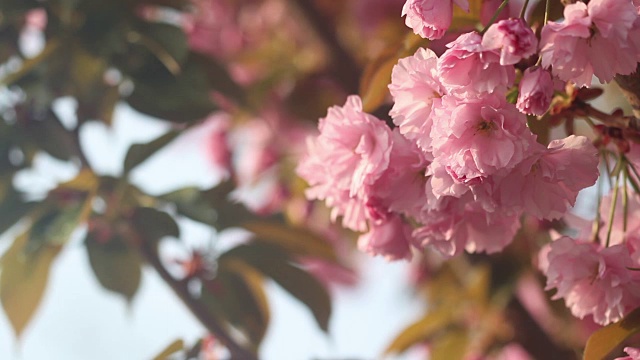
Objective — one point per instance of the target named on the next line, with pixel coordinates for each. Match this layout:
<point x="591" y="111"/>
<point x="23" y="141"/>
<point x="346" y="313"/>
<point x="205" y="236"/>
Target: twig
<point x="196" y="308"/>
<point x="630" y="86"/>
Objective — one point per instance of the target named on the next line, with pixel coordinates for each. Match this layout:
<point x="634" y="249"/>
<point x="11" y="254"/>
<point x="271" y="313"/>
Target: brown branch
<point x="345" y="66"/>
<point x="532" y="338"/>
<point x="180" y="288"/>
<point x="630" y="86"/>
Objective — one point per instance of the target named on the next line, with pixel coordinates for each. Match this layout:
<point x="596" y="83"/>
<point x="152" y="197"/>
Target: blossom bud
<point x="536" y="91"/>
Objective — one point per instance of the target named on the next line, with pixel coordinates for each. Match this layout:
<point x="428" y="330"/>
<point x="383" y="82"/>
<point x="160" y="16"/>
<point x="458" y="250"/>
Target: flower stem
<point x="612" y="211"/>
<point x="524" y="9"/>
<point x="495" y="16"/>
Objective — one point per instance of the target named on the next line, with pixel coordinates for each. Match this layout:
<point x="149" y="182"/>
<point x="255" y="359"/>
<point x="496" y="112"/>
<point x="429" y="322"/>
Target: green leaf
<point x="153" y="225"/>
<point x="238" y="297"/>
<point x="182" y="98"/>
<point x="23" y="280"/>
<point x="166" y="42"/>
<point x="13" y="208"/>
<point x="50" y="136"/>
<point x="219" y="77"/>
<point x="174" y="347"/>
<point x="55" y="226"/>
<point x="275" y="264"/>
<point x="420" y="331"/>
<point x="296" y="240"/>
<point x="138" y="153"/>
<point x="604" y="341"/>
<point x="116" y="266"/>
<point x="190" y="202"/>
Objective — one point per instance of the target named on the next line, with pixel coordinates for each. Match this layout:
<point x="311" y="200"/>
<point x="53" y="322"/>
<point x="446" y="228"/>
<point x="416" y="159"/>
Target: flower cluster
<point x="456" y="166"/>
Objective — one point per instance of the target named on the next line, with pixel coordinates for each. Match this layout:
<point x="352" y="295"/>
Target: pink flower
<point x="574" y="48"/>
<point x="513" y="351"/>
<point x="468" y="69"/>
<point x="634" y="354"/>
<point x="391" y="239"/>
<point x="536" y="91"/>
<point x="401" y="188"/>
<point x="592" y="280"/>
<point x="513" y="37"/>
<point x="477" y="137"/>
<point x="431" y="18"/>
<point x="351" y="153"/>
<point x="414" y="87"/>
<point x="548" y="182"/>
<point x="462" y="224"/>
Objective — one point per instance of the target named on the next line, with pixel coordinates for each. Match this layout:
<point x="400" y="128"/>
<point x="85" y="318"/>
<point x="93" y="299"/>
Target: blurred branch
<point x="196" y="308"/>
<point x="347" y="69"/>
<point x="532" y="338"/>
<point x="630" y="86"/>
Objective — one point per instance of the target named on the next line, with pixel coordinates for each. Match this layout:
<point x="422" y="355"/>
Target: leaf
<point x="275" y="264"/>
<point x="52" y="47"/>
<point x="296" y="240"/>
<point x="153" y="225"/>
<point x="174" y="347"/>
<point x="602" y="342"/>
<point x="13" y="208"/>
<point x="138" y="153"/>
<point x="255" y="284"/>
<point x="238" y="297"/>
<point x="23" y="280"/>
<point x="450" y="346"/>
<point x="116" y="266"/>
<point x="181" y="98"/>
<point x="420" y="331"/>
<point x="166" y="42"/>
<point x="85" y="181"/>
<point x="191" y="203"/>
<point x="219" y="77"/>
<point x="49" y="135"/>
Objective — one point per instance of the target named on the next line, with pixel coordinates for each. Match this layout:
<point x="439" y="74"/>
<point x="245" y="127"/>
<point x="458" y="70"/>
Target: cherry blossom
<point x="431" y="18"/>
<point x="513" y="37"/>
<point x="535" y="91"/>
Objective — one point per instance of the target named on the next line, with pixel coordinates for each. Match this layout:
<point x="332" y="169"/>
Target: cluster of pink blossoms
<point x="459" y="166"/>
<point x="461" y="163"/>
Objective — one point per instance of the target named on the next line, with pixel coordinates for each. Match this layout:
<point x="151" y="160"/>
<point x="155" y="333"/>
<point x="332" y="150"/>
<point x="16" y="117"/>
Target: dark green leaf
<point x="138" y="153"/>
<point x="167" y="42"/>
<point x="181" y="98"/>
<point x="153" y="225"/>
<point x="116" y="266"/>
<point x="13" y="208"/>
<point x="190" y="202"/>
<point x="239" y="299"/>
<point x="219" y="78"/>
<point x="275" y="264"/>
<point x="23" y="280"/>
<point x="49" y="135"/>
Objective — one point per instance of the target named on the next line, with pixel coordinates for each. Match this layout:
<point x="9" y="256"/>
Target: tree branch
<point x="630" y="85"/>
<point x="346" y="68"/>
<point x="532" y="338"/>
<point x="196" y="308"/>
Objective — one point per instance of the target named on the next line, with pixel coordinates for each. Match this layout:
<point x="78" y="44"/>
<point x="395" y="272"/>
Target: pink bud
<point x="536" y="91"/>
